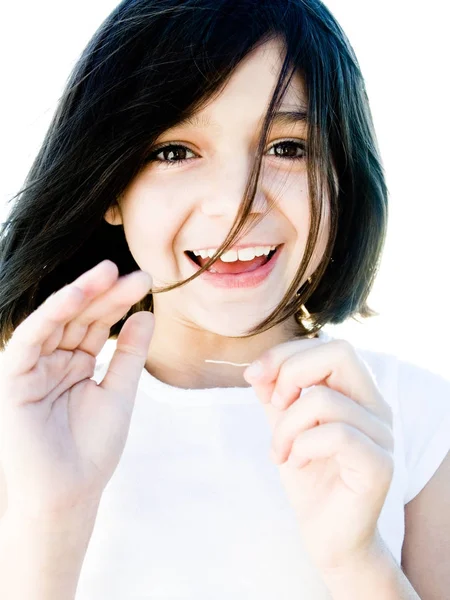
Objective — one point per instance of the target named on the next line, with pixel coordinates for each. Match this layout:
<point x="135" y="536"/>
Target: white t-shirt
<point x="196" y="510"/>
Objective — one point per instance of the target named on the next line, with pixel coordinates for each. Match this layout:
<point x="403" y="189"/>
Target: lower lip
<point x="240" y="280"/>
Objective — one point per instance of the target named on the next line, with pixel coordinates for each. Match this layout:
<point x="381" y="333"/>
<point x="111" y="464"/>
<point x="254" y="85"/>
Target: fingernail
<point x="277" y="400"/>
<point x="254" y="371"/>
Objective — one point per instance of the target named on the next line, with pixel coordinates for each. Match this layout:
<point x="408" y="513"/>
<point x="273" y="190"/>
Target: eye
<point x="291" y="147"/>
<point x="176" y="149"/>
<point x="178" y="152"/>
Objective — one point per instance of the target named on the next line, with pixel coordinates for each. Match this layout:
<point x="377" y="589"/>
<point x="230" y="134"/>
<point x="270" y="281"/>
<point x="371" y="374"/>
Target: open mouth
<point x="234" y="267"/>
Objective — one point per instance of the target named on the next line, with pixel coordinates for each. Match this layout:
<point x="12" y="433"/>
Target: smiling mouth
<point x="235" y="267"/>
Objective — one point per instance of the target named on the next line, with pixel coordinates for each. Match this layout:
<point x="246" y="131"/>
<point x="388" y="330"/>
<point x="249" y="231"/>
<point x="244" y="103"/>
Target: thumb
<point x="130" y="355"/>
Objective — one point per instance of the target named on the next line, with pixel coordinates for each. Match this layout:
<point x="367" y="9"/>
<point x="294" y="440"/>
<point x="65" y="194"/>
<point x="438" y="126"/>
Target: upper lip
<point x="238" y="247"/>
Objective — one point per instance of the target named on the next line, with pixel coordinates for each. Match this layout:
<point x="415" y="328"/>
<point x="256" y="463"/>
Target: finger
<point x="335" y="364"/>
<point x="266" y="366"/>
<point x="363" y="465"/>
<point x="130" y="355"/>
<point x="88" y="330"/>
<point x="82" y="369"/>
<point x="323" y="405"/>
<point x="93" y="283"/>
<point x="24" y="347"/>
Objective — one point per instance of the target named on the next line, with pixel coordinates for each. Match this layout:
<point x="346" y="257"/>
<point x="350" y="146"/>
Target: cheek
<point x="322" y="240"/>
<point x="294" y="203"/>
<point x="151" y="226"/>
<point x="295" y="207"/>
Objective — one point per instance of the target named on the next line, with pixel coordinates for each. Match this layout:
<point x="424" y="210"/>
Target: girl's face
<point x="187" y="197"/>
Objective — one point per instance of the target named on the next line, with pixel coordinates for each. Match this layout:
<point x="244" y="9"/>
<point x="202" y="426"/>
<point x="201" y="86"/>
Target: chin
<point x="226" y="327"/>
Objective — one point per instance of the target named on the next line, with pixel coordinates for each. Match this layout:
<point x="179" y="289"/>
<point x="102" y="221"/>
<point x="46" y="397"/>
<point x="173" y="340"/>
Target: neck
<point x="179" y="359"/>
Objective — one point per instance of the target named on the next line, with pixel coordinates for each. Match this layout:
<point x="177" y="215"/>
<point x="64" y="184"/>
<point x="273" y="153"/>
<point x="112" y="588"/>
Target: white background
<point x="403" y="53"/>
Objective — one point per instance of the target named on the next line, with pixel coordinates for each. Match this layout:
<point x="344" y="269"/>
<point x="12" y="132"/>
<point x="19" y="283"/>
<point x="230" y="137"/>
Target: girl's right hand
<point x="61" y="434"/>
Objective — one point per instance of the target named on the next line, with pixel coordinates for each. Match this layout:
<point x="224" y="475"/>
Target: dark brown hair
<point x="152" y="64"/>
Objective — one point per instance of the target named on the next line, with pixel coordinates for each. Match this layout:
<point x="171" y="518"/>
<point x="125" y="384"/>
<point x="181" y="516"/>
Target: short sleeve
<point x="424" y="405"/>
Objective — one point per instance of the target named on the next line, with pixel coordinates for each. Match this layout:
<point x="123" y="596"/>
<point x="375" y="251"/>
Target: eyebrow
<point x="290" y="117"/>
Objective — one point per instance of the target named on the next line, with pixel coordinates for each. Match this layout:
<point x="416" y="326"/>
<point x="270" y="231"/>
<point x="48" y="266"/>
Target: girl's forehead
<point x="249" y="96"/>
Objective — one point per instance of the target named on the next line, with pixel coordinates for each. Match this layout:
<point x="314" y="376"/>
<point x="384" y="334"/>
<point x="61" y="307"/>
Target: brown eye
<point x="172" y="154"/>
<point x="290" y="150"/>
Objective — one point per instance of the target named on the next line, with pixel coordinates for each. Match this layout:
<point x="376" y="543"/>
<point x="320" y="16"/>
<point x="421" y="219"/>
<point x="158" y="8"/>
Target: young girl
<point x="210" y="194"/>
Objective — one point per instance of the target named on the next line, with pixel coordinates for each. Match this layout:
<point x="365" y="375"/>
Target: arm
<point x="374" y="576"/>
<point x="42" y="559"/>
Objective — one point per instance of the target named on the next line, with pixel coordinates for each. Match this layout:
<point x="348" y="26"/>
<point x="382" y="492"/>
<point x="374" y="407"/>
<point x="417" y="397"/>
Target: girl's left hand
<point x="337" y="440"/>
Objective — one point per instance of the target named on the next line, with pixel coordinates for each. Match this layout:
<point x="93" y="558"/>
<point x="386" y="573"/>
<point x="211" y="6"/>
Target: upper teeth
<point x="234" y="255"/>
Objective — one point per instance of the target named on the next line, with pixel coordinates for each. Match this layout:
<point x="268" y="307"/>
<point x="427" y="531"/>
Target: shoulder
<point x="420" y="400"/>
<point x="409" y="387"/>
<point x="421" y="397"/>
<point x="383" y="366"/>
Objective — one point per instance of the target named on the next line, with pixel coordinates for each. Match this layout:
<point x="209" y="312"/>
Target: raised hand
<point x="333" y="444"/>
<point x="61" y="434"/>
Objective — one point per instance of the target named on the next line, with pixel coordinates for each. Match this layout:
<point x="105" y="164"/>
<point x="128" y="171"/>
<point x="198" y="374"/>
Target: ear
<point x="113" y="216"/>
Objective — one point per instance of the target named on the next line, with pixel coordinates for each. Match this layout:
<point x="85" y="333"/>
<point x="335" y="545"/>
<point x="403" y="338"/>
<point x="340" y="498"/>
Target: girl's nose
<point x="222" y="196"/>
